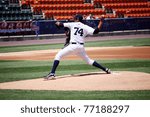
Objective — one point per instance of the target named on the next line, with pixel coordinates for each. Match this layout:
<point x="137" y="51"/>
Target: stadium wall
<point x="44" y="27"/>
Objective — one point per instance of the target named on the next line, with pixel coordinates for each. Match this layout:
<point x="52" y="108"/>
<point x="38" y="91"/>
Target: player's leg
<point x="89" y="61"/>
<point x="64" y="52"/>
<point x="101" y="67"/>
<point x="59" y="55"/>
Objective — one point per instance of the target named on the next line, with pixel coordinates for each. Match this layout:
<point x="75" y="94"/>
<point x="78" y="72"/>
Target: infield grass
<point x="20" y="70"/>
<point x="73" y="95"/>
<point x="106" y="43"/>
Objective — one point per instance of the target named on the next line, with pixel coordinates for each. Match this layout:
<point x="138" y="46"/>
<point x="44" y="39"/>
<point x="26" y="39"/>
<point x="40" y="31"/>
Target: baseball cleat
<point x="50" y="76"/>
<point x="108" y="71"/>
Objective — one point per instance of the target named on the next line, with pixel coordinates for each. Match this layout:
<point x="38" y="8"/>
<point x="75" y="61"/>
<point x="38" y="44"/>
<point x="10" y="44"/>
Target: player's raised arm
<point x="59" y="24"/>
<point x="96" y="31"/>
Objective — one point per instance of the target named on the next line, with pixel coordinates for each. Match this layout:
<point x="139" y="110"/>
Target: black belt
<point x="77" y="43"/>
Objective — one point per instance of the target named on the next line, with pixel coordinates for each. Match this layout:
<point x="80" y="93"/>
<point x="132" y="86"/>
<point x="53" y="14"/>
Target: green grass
<point x="73" y="95"/>
<point x="124" y="42"/>
<point x="20" y="70"/>
<point x="29" y="47"/>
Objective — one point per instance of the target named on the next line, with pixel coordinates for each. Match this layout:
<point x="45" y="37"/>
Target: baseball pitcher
<point x="78" y="32"/>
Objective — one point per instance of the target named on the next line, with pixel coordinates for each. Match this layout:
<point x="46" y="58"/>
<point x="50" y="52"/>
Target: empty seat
<point x="65" y="8"/>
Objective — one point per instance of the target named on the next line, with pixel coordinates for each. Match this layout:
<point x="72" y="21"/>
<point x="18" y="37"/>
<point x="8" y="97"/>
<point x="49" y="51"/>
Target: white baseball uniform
<point x="78" y="33"/>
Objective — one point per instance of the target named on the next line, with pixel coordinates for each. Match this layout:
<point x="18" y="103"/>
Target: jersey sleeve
<point x="67" y="25"/>
<point x="90" y="30"/>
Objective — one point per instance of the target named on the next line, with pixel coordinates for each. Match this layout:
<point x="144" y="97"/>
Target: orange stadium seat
<point x="135" y="7"/>
<point x="65" y="8"/>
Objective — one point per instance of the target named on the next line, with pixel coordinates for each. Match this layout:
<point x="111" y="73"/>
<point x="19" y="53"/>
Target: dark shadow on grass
<point x="80" y="75"/>
<point x="77" y="75"/>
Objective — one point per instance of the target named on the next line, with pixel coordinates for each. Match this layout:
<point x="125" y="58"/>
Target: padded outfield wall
<point x="8" y="28"/>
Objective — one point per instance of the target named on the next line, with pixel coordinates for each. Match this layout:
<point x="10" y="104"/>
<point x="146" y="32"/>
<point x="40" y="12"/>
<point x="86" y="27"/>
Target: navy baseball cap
<point x="78" y="17"/>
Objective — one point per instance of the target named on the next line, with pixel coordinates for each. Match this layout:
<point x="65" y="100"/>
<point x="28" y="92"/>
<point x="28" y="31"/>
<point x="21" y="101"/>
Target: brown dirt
<point x="94" y="81"/>
<point x="93" y="52"/>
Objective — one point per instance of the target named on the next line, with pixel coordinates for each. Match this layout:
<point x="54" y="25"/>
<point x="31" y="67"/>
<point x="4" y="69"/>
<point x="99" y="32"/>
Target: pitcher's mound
<point x="121" y="80"/>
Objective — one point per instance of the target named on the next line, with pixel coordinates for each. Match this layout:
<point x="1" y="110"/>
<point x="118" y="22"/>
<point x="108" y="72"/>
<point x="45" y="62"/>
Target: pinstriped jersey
<point x="79" y="31"/>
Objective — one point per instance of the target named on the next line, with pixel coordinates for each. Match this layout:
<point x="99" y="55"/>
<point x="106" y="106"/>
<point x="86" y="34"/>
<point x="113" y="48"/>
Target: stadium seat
<point x="65" y="8"/>
<point x="135" y="7"/>
<point x="13" y="11"/>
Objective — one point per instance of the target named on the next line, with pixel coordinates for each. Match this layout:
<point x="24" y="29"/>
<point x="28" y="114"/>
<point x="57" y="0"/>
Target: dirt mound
<point x="121" y="80"/>
<point x="91" y="81"/>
